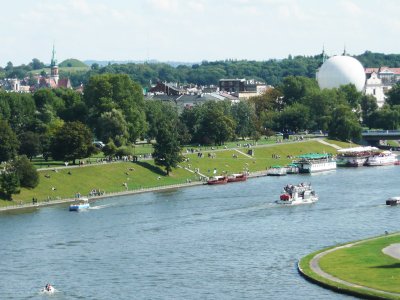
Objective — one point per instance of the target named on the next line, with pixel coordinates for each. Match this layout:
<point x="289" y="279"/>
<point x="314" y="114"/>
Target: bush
<point x="124" y="151"/>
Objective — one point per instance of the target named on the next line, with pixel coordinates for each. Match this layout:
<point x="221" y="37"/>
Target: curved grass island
<point x="367" y="269"/>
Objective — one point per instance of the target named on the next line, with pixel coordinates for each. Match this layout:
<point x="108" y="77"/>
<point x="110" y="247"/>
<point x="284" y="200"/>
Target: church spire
<point x="323" y="53"/>
<point x="53" y="62"/>
<point x="344" y="50"/>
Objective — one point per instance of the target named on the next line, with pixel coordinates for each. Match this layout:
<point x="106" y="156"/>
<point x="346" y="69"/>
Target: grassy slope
<point x="109" y="177"/>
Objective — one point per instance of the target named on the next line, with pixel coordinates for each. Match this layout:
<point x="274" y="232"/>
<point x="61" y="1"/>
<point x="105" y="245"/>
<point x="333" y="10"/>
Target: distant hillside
<point x="103" y="63"/>
<point x="72" y="62"/>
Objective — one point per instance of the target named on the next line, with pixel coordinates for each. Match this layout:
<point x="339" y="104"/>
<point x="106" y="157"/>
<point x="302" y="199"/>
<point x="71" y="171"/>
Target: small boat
<point x="355" y="156"/>
<point x="292" y="169"/>
<point x="383" y="158"/>
<point x="237" y="177"/>
<point x="217" y="180"/>
<point x="276" y="171"/>
<point x="48" y="289"/>
<point x="297" y="194"/>
<point x="80" y="204"/>
<point x="393" y="201"/>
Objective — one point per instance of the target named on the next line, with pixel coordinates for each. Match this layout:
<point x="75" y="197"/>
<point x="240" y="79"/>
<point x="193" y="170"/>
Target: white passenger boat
<point x="383" y="158"/>
<point x="355" y="156"/>
<point x="276" y="171"/>
<point x="315" y="162"/>
<point x="80" y="204"/>
<point x="297" y="194"/>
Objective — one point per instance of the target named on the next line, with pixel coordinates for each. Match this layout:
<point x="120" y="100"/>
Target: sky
<point x="194" y="30"/>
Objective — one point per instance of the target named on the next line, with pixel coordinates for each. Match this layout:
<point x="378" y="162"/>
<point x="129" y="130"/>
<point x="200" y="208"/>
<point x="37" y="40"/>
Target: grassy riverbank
<point x="361" y="264"/>
<point x="110" y="177"/>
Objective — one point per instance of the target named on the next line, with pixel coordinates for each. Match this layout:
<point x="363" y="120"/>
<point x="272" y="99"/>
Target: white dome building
<point x="341" y="70"/>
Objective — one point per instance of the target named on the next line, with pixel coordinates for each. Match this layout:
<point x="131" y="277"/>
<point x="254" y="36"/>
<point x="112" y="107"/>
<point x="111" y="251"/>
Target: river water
<point x="203" y="242"/>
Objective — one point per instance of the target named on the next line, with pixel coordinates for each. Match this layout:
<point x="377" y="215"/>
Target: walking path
<point x="241" y="152"/>
<point x="314" y="265"/>
<point x="329" y="144"/>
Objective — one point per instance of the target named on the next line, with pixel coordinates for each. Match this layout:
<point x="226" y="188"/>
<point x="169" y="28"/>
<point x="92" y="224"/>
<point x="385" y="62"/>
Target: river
<point x="203" y="242"/>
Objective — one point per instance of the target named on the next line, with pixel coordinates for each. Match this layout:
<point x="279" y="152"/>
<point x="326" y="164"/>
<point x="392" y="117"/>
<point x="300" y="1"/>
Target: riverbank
<point x="362" y="269"/>
<point x="115" y="194"/>
<point x="59" y="185"/>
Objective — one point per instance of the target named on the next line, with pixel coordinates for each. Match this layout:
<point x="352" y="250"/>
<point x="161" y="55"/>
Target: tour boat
<point x="354" y="157"/>
<point x="237" y="177"/>
<point x="383" y="158"/>
<point x="297" y="194"/>
<point x="315" y="162"/>
<point x="80" y="203"/>
<point x="217" y="180"/>
<point x="276" y="171"/>
<point x="393" y="201"/>
<point x="292" y="169"/>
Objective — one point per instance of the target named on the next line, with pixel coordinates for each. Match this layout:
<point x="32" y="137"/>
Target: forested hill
<point x="271" y="71"/>
<point x="206" y="73"/>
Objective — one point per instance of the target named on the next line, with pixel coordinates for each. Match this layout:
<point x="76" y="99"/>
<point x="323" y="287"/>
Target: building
<point x="380" y="81"/>
<point x="242" y="88"/>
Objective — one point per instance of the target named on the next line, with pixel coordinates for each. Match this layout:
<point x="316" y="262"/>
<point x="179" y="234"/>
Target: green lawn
<point x="110" y="177"/>
<point x="365" y="264"/>
<point x="362" y="264"/>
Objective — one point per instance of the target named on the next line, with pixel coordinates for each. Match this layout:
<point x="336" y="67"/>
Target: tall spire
<point x="53" y="62"/>
<point x="344" y="50"/>
<point x="323" y="53"/>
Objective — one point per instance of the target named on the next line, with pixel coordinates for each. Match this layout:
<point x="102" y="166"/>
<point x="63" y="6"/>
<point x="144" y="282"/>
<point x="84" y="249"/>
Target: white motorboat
<point x="298" y="194"/>
<point x="79" y="204"/>
<point x="276" y="171"/>
<point x="393" y="201"/>
<point x="383" y="158"/>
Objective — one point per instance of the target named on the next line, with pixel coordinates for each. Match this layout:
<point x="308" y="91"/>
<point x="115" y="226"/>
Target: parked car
<point x="98" y="144"/>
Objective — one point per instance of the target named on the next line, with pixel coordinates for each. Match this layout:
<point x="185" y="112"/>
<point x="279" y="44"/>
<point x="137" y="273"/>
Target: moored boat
<point x="276" y="171"/>
<point x="217" y="180"/>
<point x="79" y="204"/>
<point x="292" y="169"/>
<point x="315" y="162"/>
<point x="383" y="158"/>
<point x="355" y="156"/>
<point x="297" y="194"/>
<point x="237" y="177"/>
<point x="393" y="201"/>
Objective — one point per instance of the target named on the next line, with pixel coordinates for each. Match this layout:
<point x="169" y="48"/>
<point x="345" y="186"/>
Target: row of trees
<point x="62" y="124"/>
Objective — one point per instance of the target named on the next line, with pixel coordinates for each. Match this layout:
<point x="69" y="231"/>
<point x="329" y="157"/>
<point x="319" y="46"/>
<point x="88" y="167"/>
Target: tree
<point x="244" y="116"/>
<point x="9" y="184"/>
<point x="394" y="95"/>
<point x="109" y="149"/>
<point x="112" y="125"/>
<point x="29" y="144"/>
<point x="344" y="124"/>
<point x="36" y="64"/>
<point x="368" y="106"/>
<point x="9" y="143"/>
<point x="294" y="88"/>
<point x="295" y="117"/>
<point x="72" y="141"/>
<point x="167" y="150"/>
<point x="26" y="172"/>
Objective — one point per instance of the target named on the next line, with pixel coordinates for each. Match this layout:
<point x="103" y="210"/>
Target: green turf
<point x="363" y="264"/>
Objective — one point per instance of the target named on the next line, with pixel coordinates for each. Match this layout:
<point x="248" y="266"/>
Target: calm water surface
<point x="205" y="242"/>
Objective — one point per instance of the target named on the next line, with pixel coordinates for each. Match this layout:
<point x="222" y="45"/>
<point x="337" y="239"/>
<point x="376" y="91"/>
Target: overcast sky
<point x="194" y="30"/>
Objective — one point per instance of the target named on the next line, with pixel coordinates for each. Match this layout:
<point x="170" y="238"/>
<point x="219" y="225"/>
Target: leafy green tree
<point x="244" y="116"/>
<point x="26" y="172"/>
<point x="352" y="96"/>
<point x="72" y="141"/>
<point x="36" y="64"/>
<point x="394" y="95"/>
<point x="387" y="118"/>
<point x="29" y="144"/>
<point x="9" y="143"/>
<point x="109" y="149"/>
<point x="112" y="125"/>
<point x="344" y="124"/>
<point x="9" y="184"/>
<point x="368" y="106"/>
<point x="295" y="117"/>
<point x="294" y="88"/>
<point x="167" y="149"/>
<point x="108" y="91"/>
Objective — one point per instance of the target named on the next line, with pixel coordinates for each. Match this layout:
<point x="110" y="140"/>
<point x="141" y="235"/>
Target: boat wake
<point x="99" y="206"/>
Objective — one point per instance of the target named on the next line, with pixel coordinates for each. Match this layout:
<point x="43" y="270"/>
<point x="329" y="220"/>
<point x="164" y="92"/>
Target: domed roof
<point x="341" y="70"/>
